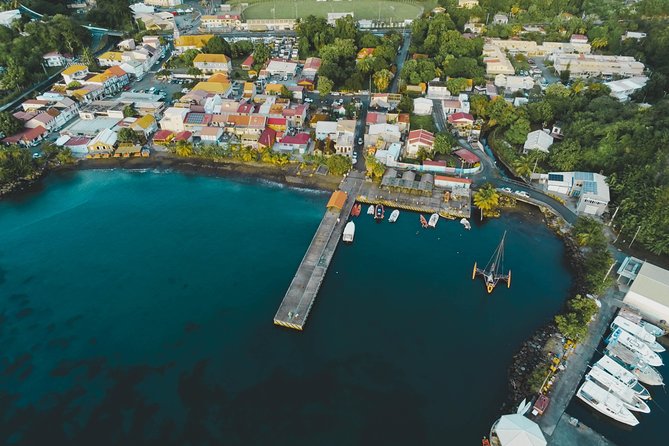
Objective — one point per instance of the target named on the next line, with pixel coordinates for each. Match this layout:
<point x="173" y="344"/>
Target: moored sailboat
<point x="494" y="270"/>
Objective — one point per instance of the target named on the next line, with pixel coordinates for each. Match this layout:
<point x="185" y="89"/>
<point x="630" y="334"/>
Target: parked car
<point x="308" y="100"/>
<point x="360" y="141"/>
<point x="522" y="193"/>
<point x="505" y="189"/>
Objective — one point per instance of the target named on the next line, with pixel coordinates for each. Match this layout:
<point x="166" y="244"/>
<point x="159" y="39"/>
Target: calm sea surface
<point x="136" y="308"/>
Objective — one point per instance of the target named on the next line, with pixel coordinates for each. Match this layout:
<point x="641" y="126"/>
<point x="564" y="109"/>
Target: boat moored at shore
<point x="394" y="215"/>
<point x="464" y="222"/>
<point x="623" y="375"/>
<point x="607" y="382"/>
<point x="370" y="210"/>
<point x="434" y="218"/>
<point x="349" y="232"/>
<point x="637" y="331"/>
<point x="637" y="346"/>
<point x="423" y="221"/>
<point x="379" y="212"/>
<point x="626" y="357"/>
<point x="652" y="329"/>
<point x="605" y="403"/>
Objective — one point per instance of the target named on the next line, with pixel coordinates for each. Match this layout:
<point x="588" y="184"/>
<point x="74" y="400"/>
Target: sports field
<point x="362" y="9"/>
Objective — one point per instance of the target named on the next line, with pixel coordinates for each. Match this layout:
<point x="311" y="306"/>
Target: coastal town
<point x="461" y="110"/>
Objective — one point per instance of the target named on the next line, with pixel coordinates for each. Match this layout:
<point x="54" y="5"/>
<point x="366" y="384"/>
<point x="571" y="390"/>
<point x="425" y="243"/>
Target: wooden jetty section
<point x="301" y="294"/>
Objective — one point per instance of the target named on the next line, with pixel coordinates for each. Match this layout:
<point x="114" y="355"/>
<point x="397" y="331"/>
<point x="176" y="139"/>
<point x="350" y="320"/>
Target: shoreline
<point x="287" y="175"/>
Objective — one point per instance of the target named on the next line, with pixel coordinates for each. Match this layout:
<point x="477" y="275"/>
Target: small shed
<point x="337" y="200"/>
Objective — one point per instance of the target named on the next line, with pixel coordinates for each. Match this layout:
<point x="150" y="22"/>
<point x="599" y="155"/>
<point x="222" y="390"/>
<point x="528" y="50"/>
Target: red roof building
<point x="467" y="156"/>
<point x="248" y="63"/>
<point x="299" y="139"/>
<point x="26" y="137"/>
<point x="446" y="181"/>
<point x="163" y="137"/>
<point x="460" y="118"/>
<point x="181" y="136"/>
<point x="267" y="138"/>
<point x="420" y="135"/>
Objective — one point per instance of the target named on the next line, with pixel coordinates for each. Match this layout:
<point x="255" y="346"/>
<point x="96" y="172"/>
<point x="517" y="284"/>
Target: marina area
<point x="212" y="352"/>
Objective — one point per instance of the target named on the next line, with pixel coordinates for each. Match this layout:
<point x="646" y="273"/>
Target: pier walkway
<point x="302" y="291"/>
<point x="568" y="381"/>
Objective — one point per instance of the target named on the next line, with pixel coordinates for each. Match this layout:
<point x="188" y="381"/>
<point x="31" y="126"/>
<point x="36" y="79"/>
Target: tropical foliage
<point x="486" y="199"/>
<point x="574" y="323"/>
<point x="597" y="259"/>
<point x="17" y="163"/>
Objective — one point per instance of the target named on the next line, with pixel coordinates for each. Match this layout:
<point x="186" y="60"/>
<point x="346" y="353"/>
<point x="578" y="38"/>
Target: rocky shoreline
<point x="532" y="352"/>
<point x="288" y="175"/>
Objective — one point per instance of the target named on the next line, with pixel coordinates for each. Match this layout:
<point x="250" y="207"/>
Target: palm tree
<point x="523" y="166"/>
<point x="184" y="149"/>
<point x="382" y="79"/>
<point x="600" y="42"/>
<point x="486" y="198"/>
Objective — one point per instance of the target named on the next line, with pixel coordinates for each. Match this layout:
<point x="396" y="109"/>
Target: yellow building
<point x="110" y="58"/>
<point x="194" y="42"/>
<point x="221" y="88"/>
<point x="212" y="63"/>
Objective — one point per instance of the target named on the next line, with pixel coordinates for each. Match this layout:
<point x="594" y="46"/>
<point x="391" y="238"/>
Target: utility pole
<point x="619" y="232"/>
<point x="609" y="271"/>
<point x="634" y="238"/>
<point x="614" y="215"/>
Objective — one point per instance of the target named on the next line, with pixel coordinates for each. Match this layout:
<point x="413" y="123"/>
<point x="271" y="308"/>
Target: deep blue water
<point x="136" y="308"/>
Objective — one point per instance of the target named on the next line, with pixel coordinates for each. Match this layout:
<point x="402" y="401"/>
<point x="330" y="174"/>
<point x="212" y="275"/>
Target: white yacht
<point x="606" y="403"/>
<point x="393" y="216"/>
<point x="434" y="218"/>
<point x="637" y="346"/>
<point x="623" y="375"/>
<point x="370" y="210"/>
<point x="652" y="329"/>
<point x="645" y="373"/>
<point x="638" y="331"/>
<point x="349" y="232"/>
<point x="607" y="382"/>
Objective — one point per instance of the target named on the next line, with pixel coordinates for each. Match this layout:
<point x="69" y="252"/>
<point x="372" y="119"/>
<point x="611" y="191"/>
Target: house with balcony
<point x="76" y="72"/>
<point x="213" y="63"/>
<point x="417" y="140"/>
<point x="54" y="59"/>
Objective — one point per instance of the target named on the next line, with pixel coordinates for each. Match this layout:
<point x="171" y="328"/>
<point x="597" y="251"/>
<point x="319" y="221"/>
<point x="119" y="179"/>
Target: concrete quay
<point x="301" y="294"/>
<point x="567" y="434"/>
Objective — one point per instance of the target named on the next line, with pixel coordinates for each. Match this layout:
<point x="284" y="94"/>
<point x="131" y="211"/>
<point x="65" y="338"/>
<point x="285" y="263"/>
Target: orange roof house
<point x="337" y="200"/>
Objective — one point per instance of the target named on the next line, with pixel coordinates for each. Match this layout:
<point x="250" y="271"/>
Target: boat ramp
<point x="304" y="287"/>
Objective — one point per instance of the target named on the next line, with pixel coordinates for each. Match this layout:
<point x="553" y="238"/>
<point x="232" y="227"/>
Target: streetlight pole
<point x="634" y="238"/>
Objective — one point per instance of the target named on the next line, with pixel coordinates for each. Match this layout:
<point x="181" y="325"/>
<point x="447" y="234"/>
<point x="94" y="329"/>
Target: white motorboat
<point x="637" y="331"/>
<point x="652" y="329"/>
<point x="637" y="346"/>
<point x="349" y="232"/>
<point x="434" y="218"/>
<point x="626" y="357"/>
<point x="607" y="382"/>
<point x="464" y="222"/>
<point x="370" y="210"/>
<point x="623" y="375"/>
<point x="393" y="216"/>
<point x="606" y="403"/>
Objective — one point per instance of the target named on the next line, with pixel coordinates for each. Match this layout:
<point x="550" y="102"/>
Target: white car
<point x="360" y="141"/>
<point x="308" y="100"/>
<point x="522" y="193"/>
<point x="505" y="189"/>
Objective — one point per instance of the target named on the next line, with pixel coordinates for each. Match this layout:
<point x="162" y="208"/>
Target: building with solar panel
<point x="588" y="189"/>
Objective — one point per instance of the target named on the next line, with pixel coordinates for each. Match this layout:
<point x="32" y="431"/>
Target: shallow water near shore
<point x="136" y="308"/>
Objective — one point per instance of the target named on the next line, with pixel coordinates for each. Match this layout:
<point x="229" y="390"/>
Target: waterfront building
<point x="590" y="189"/>
<point x="289" y="144"/>
<point x="103" y="143"/>
<point x="448" y="182"/>
<point x="516" y="430"/>
<point x="649" y="293"/>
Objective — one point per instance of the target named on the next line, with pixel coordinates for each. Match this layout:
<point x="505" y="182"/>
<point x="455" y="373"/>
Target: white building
<point x="390" y="155"/>
<point x="139" y="8"/>
<point x="633" y="35"/>
<point x="281" y="68"/>
<point x="422" y="106"/>
<point x="437" y="91"/>
<point x="590" y="189"/>
<point x="538" y="140"/>
<point x="163" y="3"/>
<point x="387" y="132"/>
<point x="586" y="65"/>
<point x="54" y="59"/>
<point x="325" y="129"/>
<point x="624" y="88"/>
<point x="514" y="83"/>
<point x="7" y="17"/>
<point x="173" y="119"/>
<point x="334" y="16"/>
<point x="649" y="293"/>
<point x="500" y="19"/>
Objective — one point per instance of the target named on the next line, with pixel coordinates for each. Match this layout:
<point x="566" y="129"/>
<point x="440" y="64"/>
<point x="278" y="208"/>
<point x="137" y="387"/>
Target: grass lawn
<point x="362" y="9"/>
<point x="423" y="122"/>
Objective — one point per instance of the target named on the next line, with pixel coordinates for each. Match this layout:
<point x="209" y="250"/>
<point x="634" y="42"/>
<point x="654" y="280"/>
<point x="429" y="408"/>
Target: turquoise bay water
<point x="136" y="308"/>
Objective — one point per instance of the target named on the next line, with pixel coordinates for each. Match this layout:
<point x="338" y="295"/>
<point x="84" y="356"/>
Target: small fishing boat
<point x="349" y="232"/>
<point x="356" y="209"/>
<point x="434" y="218"/>
<point x="370" y="210"/>
<point x="637" y="346"/>
<point x="485" y="442"/>
<point x="423" y="222"/>
<point x="393" y="216"/>
<point x="623" y="375"/>
<point x="607" y="382"/>
<point x="606" y="403"/>
<point x="637" y="331"/>
<point x="652" y="329"/>
<point x="464" y="222"/>
<point x="494" y="270"/>
<point x="379" y="212"/>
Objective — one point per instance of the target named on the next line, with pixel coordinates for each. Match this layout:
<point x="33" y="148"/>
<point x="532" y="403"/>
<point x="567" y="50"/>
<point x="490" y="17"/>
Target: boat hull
<point x="606" y="404"/>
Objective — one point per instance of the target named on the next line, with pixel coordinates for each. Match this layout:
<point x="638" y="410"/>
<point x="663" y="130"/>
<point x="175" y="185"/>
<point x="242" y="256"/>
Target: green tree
<point x="375" y="169"/>
<point x="457" y="85"/>
<point x="184" y="149"/>
<point x="325" y="85"/>
<point x="443" y="143"/>
<point x="338" y="164"/>
<point x="286" y="93"/>
<point x="129" y="111"/>
<point x="382" y="79"/>
<point x="486" y="199"/>
<point x="261" y="54"/>
<point x="89" y="59"/>
<point x="127" y="135"/>
<point x="479" y="105"/>
<point x="518" y="130"/>
<point x="9" y="125"/>
<point x="217" y="45"/>
<point x="193" y="71"/>
<point x="405" y="105"/>
<point x="422" y="154"/>
<point x="523" y="166"/>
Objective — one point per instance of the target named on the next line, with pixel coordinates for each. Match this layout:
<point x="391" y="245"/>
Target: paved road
<point x="401" y="57"/>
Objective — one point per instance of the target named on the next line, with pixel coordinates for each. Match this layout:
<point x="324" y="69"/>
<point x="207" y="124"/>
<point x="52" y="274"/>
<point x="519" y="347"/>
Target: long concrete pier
<point x="301" y="294"/>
